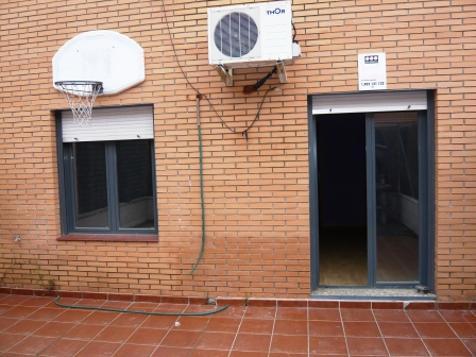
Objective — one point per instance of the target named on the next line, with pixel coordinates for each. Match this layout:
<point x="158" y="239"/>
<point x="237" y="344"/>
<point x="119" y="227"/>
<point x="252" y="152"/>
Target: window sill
<point x="109" y="237"/>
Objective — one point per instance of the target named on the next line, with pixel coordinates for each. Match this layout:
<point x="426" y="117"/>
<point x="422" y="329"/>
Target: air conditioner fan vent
<point x="236" y="34"/>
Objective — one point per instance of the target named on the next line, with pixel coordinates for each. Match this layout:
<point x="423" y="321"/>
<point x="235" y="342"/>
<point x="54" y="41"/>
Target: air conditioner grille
<point x="236" y="34"/>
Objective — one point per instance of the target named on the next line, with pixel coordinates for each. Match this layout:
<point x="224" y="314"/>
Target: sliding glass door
<point x="395" y="163"/>
<point x="372" y="194"/>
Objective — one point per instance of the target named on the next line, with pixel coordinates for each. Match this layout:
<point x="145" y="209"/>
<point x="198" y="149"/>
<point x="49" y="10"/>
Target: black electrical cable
<point x="259" y="83"/>
<point x="243" y="132"/>
<point x="140" y="312"/>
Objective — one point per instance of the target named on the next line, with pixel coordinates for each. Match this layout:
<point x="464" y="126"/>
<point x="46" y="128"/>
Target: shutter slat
<point x="128" y="123"/>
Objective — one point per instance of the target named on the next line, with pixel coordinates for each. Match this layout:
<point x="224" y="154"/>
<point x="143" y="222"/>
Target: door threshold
<point x="370" y="294"/>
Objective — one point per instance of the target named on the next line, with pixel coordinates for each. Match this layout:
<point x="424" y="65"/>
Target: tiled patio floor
<point x="35" y="326"/>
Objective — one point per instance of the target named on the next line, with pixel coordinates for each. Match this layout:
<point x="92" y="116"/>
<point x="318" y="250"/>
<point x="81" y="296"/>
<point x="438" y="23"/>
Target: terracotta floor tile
<point x="223" y="325"/>
<point x="361" y="329"/>
<point x="233" y="312"/>
<point x="398" y="329"/>
<point x="36" y="301"/>
<point x="143" y="306"/>
<point x="72" y="316"/>
<point x="252" y="343"/>
<point x="32" y="345"/>
<point x="147" y="336"/>
<point x="256" y="326"/>
<point x="458" y="315"/>
<point x="131" y="350"/>
<point x="64" y="348"/>
<point x="388" y="315"/>
<point x="185" y="339"/>
<point x="6" y="323"/>
<point x="208" y="353"/>
<point x="25" y="327"/>
<point x="97" y="348"/>
<point x="159" y="322"/>
<point x="248" y="354"/>
<point x="91" y="302"/>
<point x="54" y="329"/>
<point x="45" y="314"/>
<point x="327" y="345"/>
<point x="5" y="308"/>
<point x="83" y="331"/>
<point x="464" y="329"/>
<point x="291" y="313"/>
<point x="164" y="351"/>
<point x="424" y="316"/>
<point x="260" y="313"/>
<point x="115" y="334"/>
<point x="324" y="314"/>
<point x="99" y="318"/>
<point x="446" y="347"/>
<point x="8" y="340"/>
<point x="133" y="320"/>
<point x="471" y="345"/>
<point x="193" y="323"/>
<point x="289" y="344"/>
<point x="434" y="330"/>
<point x="13" y="300"/>
<point x="165" y="306"/>
<point x="290" y="327"/>
<point x="19" y="312"/>
<point x="366" y="346"/>
<point x="325" y="328"/>
<point x="215" y="341"/>
<point x="116" y="304"/>
<point x="406" y="347"/>
<point x="357" y="315"/>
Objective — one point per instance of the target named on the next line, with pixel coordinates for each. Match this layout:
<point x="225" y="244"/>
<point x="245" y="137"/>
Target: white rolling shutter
<point x="369" y="102"/>
<point x="126" y="123"/>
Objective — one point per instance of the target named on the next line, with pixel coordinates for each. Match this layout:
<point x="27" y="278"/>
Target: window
<point x="108" y="185"/>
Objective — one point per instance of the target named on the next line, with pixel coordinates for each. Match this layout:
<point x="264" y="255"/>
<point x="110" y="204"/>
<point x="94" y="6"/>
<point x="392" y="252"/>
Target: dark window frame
<point x="68" y="201"/>
<point x="426" y="186"/>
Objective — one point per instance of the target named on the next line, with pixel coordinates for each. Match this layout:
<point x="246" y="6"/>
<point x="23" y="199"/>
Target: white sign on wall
<point x="372" y="71"/>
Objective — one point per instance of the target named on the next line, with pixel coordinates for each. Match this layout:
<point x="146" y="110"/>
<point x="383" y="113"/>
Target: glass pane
<point x="91" y="187"/>
<point x="396" y="141"/>
<point x="134" y="171"/>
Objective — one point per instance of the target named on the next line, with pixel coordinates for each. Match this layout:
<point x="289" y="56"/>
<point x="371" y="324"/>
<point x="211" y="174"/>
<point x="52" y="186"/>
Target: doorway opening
<point x="342" y="200"/>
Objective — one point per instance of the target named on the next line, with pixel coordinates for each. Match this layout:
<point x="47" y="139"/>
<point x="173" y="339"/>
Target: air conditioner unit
<point x="251" y="34"/>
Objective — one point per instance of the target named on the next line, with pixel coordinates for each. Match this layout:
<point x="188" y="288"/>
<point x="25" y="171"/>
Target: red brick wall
<point x="256" y="190"/>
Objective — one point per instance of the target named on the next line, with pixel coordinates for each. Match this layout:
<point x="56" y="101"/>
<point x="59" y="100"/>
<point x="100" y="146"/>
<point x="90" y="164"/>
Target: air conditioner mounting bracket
<point x="283" y="78"/>
<point x="226" y="74"/>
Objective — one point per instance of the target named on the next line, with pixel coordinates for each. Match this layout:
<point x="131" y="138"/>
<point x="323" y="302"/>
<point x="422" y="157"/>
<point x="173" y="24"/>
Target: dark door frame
<point x="427" y="206"/>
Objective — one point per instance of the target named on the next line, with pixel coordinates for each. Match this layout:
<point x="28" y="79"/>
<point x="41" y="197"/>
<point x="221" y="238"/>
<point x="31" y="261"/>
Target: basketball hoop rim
<point x="97" y="84"/>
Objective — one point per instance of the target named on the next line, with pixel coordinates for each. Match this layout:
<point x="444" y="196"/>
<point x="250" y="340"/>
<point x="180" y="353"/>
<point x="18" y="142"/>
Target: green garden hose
<point x="202" y="198"/>
<point x="140" y="312"/>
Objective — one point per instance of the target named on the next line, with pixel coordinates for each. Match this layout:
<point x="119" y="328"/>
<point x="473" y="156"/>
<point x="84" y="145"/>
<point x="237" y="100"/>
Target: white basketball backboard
<point x="105" y="56"/>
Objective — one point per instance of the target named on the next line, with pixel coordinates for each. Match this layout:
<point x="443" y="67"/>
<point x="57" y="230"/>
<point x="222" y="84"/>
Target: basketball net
<point x="81" y="96"/>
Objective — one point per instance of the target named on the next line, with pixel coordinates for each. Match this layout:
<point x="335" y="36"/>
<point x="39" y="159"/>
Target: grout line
<point x="128" y="338"/>
<point x="272" y="331"/>
<point x="237" y="331"/>
<point x="456" y="334"/>
<point x="418" y="332"/>
<point x="41" y="326"/>
<point x="380" y="332"/>
<point x="169" y="329"/>
<point x="23" y="319"/>
<point x="99" y="332"/>
<point x="343" y="331"/>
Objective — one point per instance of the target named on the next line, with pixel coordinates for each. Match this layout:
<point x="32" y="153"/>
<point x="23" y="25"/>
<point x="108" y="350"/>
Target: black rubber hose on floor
<point x="140" y="312"/>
